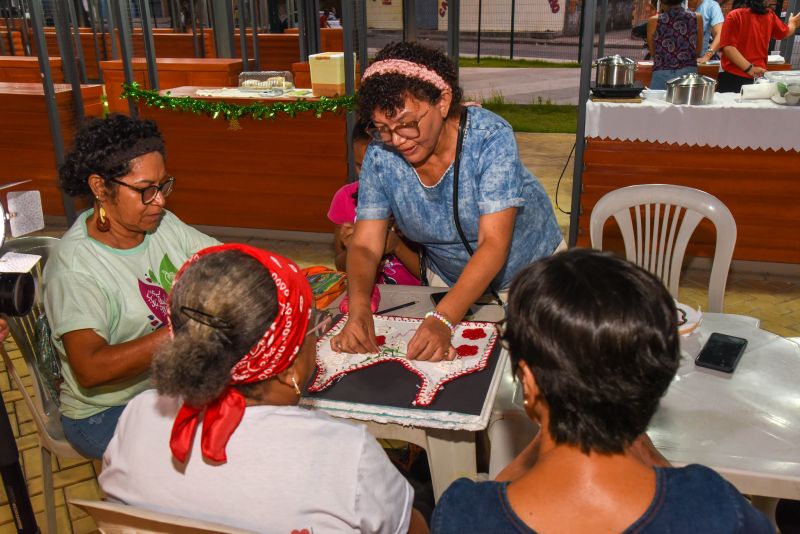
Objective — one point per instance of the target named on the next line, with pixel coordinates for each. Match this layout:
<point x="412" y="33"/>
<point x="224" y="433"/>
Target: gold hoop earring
<point x="296" y="387"/>
<point x="102" y="222"/>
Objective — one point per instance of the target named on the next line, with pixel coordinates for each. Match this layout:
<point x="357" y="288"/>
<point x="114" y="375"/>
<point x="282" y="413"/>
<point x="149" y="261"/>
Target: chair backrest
<point x="115" y="518"/>
<point x="28" y="332"/>
<point x="665" y="217"/>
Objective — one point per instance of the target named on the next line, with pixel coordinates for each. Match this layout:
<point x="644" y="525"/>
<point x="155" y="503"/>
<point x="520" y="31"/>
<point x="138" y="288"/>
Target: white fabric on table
<point x="726" y="123"/>
<point x="288" y="469"/>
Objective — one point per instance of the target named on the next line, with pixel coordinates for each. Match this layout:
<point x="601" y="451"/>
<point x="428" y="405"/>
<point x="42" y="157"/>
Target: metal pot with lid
<point x="614" y="71"/>
<point x="693" y="89"/>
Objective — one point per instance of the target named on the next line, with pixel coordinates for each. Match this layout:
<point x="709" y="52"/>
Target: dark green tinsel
<point x="256" y="110"/>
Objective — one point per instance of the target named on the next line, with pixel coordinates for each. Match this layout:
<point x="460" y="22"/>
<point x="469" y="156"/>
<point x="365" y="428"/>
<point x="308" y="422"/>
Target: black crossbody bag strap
<point x="462" y="125"/>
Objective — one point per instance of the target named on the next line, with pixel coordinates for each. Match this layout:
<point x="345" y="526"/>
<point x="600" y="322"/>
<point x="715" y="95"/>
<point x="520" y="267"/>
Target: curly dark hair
<point x="387" y="92"/>
<point x="600" y="335"/>
<point x="232" y="289"/>
<point x="106" y="147"/>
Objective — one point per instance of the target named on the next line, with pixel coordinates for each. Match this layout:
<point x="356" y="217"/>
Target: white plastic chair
<point x="43" y="408"/>
<point x="665" y="217"/>
<point x="116" y="518"/>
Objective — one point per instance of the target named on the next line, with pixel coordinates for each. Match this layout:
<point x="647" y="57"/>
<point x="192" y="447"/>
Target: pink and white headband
<point x="406" y="68"/>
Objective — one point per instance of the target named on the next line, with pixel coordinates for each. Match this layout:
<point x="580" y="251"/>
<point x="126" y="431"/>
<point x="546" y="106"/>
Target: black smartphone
<point x="437" y="298"/>
<point x="721" y="352"/>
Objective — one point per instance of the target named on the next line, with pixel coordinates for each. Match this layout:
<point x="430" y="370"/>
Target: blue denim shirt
<point x="688" y="499"/>
<point x="492" y="178"/>
<point x="712" y="15"/>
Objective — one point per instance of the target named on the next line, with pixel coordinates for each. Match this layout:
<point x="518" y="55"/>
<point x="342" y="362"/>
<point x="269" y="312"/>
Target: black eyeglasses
<point x="406" y="130"/>
<point x="150" y="192"/>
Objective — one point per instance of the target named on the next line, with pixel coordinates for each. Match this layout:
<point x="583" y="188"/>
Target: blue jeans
<point x="90" y="436"/>
<point x="660" y="77"/>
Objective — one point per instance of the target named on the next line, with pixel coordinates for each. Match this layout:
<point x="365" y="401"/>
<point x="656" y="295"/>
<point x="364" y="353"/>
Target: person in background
<point x="594" y="360"/>
<point x="411" y="98"/>
<point x="223" y="439"/>
<point x="675" y="38"/>
<point x="745" y="43"/>
<point x="712" y="26"/>
<point x="400" y="264"/>
<point x="107" y="281"/>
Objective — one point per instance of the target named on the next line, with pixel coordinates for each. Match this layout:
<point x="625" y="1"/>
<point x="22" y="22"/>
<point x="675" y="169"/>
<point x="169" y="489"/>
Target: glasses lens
<point x="149" y="194"/>
<point x="166" y="187"/>
<point x="408" y="130"/>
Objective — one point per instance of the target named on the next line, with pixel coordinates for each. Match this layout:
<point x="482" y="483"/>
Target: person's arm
<point x="793" y="24"/>
<point x="716" y="32"/>
<point x="363" y="256"/>
<point x="432" y="339"/>
<point x="417" y="525"/>
<point x="699" y="44"/>
<point x="96" y="363"/>
<point x="733" y="54"/>
<point x="652" y="23"/>
<point x="342" y="234"/>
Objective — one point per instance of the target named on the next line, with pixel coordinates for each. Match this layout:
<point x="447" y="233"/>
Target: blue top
<point x="688" y="499"/>
<point x="675" y="40"/>
<point x="712" y="15"/>
<point x="492" y="178"/>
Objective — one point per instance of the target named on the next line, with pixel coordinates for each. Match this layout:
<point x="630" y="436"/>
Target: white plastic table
<point x="746" y="426"/>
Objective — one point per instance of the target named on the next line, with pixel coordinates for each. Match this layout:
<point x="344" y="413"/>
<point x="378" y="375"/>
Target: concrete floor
<point x="773" y="298"/>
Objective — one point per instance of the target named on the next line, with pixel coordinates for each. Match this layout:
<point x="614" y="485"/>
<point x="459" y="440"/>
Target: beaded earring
<point x="296" y="387"/>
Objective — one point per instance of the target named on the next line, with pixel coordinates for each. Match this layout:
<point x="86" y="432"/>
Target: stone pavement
<point x="522" y="85"/>
<point x="772" y="298"/>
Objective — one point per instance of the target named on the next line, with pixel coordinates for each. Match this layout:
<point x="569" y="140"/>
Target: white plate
<point x="688" y="318"/>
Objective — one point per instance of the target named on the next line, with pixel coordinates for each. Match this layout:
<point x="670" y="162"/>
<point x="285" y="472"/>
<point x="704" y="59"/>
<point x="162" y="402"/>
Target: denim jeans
<point x="90" y="436"/>
<point x="660" y="77"/>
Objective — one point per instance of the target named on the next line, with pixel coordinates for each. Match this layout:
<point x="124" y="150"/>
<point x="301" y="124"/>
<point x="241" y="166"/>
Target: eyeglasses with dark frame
<point x="406" y="130"/>
<point x="150" y="192"/>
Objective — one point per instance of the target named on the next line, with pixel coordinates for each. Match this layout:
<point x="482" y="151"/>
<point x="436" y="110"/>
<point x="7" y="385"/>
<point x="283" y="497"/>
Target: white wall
<point x="531" y="16"/>
<point x="385" y="14"/>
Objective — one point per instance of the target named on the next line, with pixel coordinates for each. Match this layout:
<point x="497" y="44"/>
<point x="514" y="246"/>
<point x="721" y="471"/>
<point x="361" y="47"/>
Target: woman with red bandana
<point x="223" y="439"/>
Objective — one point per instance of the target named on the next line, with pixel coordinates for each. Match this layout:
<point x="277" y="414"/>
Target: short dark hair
<point x="387" y="92"/>
<point x="236" y="290"/>
<point x="106" y="147"/>
<point x="601" y="337"/>
<point x="671" y="2"/>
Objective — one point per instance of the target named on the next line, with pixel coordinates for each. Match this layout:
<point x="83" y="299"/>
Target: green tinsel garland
<point x="234" y="112"/>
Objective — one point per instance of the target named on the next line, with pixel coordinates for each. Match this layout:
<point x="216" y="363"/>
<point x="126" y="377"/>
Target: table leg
<point x="451" y="455"/>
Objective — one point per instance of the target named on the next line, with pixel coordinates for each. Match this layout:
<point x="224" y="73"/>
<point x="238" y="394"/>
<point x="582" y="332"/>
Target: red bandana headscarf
<point x="272" y="354"/>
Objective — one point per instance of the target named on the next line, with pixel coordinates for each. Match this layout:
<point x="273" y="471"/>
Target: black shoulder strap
<point x="462" y="125"/>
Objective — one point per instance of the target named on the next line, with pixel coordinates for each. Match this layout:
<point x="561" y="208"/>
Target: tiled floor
<point x="773" y="299"/>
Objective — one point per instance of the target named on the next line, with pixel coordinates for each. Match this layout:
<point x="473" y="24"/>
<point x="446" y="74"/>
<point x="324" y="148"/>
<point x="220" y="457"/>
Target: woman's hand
<point x="431" y="342"/>
<point x="357" y="336"/>
<point x="757" y="72"/>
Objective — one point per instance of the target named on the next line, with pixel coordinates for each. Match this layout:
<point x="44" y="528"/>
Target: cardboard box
<point x="327" y="73"/>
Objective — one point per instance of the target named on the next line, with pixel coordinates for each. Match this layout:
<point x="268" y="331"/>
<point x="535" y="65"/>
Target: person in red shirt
<point x="745" y="43"/>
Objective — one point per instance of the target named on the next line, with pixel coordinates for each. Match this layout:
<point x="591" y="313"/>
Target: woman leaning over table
<point x="410" y="95"/>
<point x="244" y="343"/>
<point x="107" y="281"/>
<point x="745" y="43"/>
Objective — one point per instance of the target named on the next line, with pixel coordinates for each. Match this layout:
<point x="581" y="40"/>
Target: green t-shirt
<point x="120" y="294"/>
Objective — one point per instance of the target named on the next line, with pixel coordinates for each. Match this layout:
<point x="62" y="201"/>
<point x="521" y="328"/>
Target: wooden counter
<point x="172" y="72"/>
<point x="721" y="149"/>
<point x="278" y="174"/>
<point x="25" y="69"/>
<point x="644" y="71"/>
<point x="26" y="148"/>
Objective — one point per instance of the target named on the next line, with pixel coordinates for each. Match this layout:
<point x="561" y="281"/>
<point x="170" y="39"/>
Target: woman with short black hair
<point x="594" y="340"/>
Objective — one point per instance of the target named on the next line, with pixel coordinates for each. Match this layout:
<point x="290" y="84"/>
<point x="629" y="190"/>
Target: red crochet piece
<point x="474" y="333"/>
<point x="466" y="350"/>
<point x="380" y="340"/>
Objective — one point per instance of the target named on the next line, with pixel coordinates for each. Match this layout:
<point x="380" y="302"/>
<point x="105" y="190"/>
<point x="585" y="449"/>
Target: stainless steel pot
<point x="693" y="89"/>
<point x="614" y="71"/>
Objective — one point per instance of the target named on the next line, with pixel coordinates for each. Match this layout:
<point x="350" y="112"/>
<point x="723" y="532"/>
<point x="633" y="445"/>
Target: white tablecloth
<point x="727" y="123"/>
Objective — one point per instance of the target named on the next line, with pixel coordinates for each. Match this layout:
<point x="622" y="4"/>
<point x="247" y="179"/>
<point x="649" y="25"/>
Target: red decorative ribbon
<point x="272" y="354"/>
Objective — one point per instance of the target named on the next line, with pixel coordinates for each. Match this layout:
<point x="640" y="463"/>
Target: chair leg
<point x="47" y="489"/>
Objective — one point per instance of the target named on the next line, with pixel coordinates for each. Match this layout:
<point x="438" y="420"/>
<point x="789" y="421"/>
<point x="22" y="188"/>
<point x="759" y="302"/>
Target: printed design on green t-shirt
<point x="155" y="291"/>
